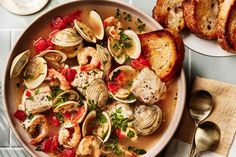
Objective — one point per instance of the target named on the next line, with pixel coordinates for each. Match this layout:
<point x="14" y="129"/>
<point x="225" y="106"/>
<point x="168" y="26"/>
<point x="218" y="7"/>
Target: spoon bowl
<point x="207" y="137"/>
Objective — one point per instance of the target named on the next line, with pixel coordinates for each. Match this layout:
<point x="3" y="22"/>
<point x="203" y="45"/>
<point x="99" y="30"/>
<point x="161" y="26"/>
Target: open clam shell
<point x="35" y="73"/>
<point x="69" y="95"/>
<point x="66" y="38"/>
<point x="97" y="92"/>
<point x="19" y="63"/>
<point x="147" y="119"/>
<point x="53" y="55"/>
<point x="101" y="122"/>
<point x="105" y="59"/>
<point x="124" y="109"/>
<point x="91" y="31"/>
<point x="66" y="106"/>
<point x="124" y="94"/>
<point x="118" y="55"/>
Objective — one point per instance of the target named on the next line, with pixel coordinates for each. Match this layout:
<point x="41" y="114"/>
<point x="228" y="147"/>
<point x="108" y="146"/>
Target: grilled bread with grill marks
<point x="169" y="14"/>
<point x="165" y="51"/>
<point x="227" y="26"/>
<point x="201" y="17"/>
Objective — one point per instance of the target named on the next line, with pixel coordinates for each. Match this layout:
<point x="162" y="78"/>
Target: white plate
<point x="206" y="47"/>
<point x="43" y="21"/>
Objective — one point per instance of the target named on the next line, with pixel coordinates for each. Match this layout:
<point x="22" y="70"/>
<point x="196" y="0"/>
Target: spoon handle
<point x="192" y="146"/>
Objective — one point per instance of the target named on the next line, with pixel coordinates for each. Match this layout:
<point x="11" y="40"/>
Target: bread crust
<point x="201" y="17"/>
<point x="153" y="42"/>
<point x="169" y="14"/>
<point x="227" y="26"/>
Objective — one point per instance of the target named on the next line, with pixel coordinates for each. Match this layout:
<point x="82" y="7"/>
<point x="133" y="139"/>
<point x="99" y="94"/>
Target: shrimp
<point x="89" y="145"/>
<point x="64" y="84"/>
<point x="83" y="58"/>
<point x="114" y="33"/>
<point x="40" y="122"/>
<point x="112" y="21"/>
<point x="64" y="137"/>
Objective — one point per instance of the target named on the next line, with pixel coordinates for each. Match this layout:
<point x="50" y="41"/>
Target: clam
<point x="127" y="46"/>
<point x="124" y="93"/>
<point x="66" y="38"/>
<point x="122" y="109"/>
<point x="105" y="58"/>
<point x="147" y="119"/>
<point x="98" y="124"/>
<point x="97" y="92"/>
<point x="92" y="30"/>
<point x="35" y="73"/>
<point x="116" y="52"/>
<point x="69" y="95"/>
<point x="78" y="112"/>
<point x="19" y="63"/>
<point x="53" y="55"/>
<point x="54" y="58"/>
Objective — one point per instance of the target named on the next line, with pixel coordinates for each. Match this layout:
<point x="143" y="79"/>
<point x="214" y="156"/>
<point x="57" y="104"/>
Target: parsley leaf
<point x="130" y="134"/>
<point x="137" y="151"/>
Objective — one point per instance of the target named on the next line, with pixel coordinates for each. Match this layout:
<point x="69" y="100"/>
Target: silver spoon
<point x="207" y="137"/>
<point x="23" y="7"/>
<point x="200" y="107"/>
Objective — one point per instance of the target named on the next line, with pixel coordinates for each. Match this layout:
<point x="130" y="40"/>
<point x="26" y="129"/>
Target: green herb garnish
<point x="31" y="98"/>
<point x="55" y="91"/>
<point x="128" y="17"/>
<point x="36" y="91"/>
<point x="49" y="98"/>
<point x="140" y="25"/>
<point x="118" y="14"/>
<point x="130" y="134"/>
<point x="101" y="118"/>
<point x="136" y="150"/>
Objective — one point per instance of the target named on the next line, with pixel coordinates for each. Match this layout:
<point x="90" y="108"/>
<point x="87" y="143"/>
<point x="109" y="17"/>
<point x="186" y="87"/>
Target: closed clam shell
<point x="97" y="92"/>
<point x="125" y="110"/>
<point x="105" y="58"/>
<point x="147" y="119"/>
<point x="19" y="63"/>
<point x="66" y="38"/>
<point x="35" y="73"/>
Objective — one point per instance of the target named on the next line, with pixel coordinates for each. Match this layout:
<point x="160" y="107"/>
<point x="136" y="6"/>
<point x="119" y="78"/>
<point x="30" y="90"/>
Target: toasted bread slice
<point x="201" y="17"/>
<point x="169" y="14"/>
<point x="165" y="51"/>
<point x="227" y="26"/>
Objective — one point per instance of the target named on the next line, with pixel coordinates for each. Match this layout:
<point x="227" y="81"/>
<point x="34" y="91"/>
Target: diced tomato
<point x="140" y="63"/>
<point x="55" y="122"/>
<point x="19" y="114"/>
<point x="28" y="94"/>
<point x="67" y="115"/>
<point x="69" y="74"/>
<point x="72" y="16"/>
<point x="113" y="87"/>
<point x="78" y="115"/>
<point x="120" y="135"/>
<point x="68" y="152"/>
<point x="40" y="45"/>
<point x="46" y="145"/>
<point x="54" y="143"/>
<point x="58" y="23"/>
<point x="120" y="79"/>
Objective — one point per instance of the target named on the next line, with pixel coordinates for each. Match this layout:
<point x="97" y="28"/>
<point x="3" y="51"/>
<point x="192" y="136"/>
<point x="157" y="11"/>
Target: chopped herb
<point x="104" y="62"/>
<point x="129" y="28"/>
<point x="49" y="98"/>
<point x="115" y="74"/>
<point x="31" y="116"/>
<point x="55" y="91"/>
<point x="128" y="17"/>
<point x="38" y="148"/>
<point x="18" y="85"/>
<point x="130" y="83"/>
<point x="127" y="59"/>
<point x="119" y="121"/>
<point x="60" y="117"/>
<point x="91" y="105"/>
<point x="137" y="151"/>
<point x="101" y="118"/>
<point x="131" y="96"/>
<point x="140" y="25"/>
<point x="118" y="14"/>
<point x="37" y="91"/>
<point x="26" y="77"/>
<point x="31" y="98"/>
<point x="130" y="134"/>
<point x="117" y="151"/>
